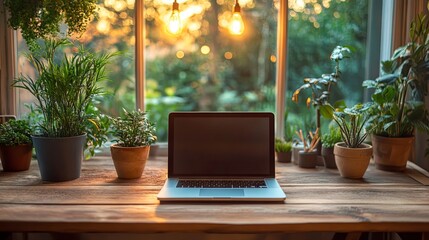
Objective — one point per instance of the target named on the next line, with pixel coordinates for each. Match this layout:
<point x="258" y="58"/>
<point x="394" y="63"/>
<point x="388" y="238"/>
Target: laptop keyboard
<point x="198" y="183"/>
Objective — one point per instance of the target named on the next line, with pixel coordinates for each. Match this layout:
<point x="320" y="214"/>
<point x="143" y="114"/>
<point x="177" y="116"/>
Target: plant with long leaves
<point x="351" y="122"/>
<point x="65" y="86"/>
<point x="133" y="129"/>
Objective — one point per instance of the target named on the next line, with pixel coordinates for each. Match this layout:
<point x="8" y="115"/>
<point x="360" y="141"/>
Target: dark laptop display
<point x="212" y="144"/>
<point x="221" y="156"/>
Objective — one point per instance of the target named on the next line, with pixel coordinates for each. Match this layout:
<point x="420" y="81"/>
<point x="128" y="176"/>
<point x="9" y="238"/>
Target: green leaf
<point x="340" y="104"/>
<point x="326" y="111"/>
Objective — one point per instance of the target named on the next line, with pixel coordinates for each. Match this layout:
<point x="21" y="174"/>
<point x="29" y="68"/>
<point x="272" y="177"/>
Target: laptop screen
<point x="224" y="144"/>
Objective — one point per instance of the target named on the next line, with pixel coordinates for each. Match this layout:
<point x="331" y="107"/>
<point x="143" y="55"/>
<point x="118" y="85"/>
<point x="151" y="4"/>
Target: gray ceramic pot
<point x="59" y="158"/>
<point x="307" y="159"/>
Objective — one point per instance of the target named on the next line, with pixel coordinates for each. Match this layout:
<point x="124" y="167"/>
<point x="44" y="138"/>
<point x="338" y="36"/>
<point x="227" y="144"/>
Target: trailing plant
<point x="352" y="122"/>
<point x="65" y="86"/>
<point x="42" y="18"/>
<point x="281" y="145"/>
<point x="133" y="129"/>
<point x="15" y="132"/>
<point x="333" y="136"/>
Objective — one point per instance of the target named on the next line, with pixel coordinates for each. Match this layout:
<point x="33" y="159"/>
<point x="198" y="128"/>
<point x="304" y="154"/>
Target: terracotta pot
<point x="295" y="152"/>
<point x="284" y="157"/>
<point x="329" y="157"/>
<point x="16" y="158"/>
<point x="307" y="159"/>
<point x="129" y="161"/>
<point x="352" y="162"/>
<point x="392" y="154"/>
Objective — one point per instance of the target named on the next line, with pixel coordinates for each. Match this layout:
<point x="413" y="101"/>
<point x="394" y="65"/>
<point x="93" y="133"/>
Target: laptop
<point x="221" y="156"/>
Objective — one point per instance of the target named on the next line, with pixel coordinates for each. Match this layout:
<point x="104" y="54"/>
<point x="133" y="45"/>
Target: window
<point x="206" y="68"/>
<point x="315" y="29"/>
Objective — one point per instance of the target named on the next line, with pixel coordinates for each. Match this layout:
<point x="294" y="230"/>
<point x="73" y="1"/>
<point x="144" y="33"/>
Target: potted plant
<point x="307" y="158"/>
<point x="15" y="145"/>
<point x="398" y="101"/>
<point x="328" y="142"/>
<point x="352" y="156"/>
<point x="42" y="19"/>
<point x="283" y="150"/>
<point x="321" y="88"/>
<point x="134" y="133"/>
<point x="64" y="90"/>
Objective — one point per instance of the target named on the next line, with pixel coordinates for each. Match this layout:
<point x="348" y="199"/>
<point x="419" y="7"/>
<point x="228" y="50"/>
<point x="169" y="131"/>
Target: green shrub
<point x="329" y="139"/>
<point x="133" y="129"/>
<point x="282" y="146"/>
<point x="15" y="132"/>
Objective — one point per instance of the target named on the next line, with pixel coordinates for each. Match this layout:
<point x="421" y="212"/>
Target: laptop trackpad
<point x="221" y="192"/>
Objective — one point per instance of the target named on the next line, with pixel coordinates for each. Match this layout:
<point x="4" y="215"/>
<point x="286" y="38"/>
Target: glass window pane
<point x="205" y="68"/>
<point x="111" y="30"/>
<point x="315" y="29"/>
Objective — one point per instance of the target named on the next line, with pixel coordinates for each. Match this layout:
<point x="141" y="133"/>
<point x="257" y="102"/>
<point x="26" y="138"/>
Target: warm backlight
<point x="174" y="26"/>
<point x="236" y="26"/>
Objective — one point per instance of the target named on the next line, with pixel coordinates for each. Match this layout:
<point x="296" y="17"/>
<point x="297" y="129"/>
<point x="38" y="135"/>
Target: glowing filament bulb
<point x="236" y="26"/>
<point x="174" y="25"/>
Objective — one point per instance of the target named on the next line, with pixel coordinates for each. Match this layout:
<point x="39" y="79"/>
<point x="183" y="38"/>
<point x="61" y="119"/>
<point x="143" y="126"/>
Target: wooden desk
<point x="318" y="200"/>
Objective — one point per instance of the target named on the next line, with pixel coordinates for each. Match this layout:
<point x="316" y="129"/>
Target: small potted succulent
<point x="134" y="133"/>
<point x="352" y="156"/>
<point x="283" y="150"/>
<point x="328" y="142"/>
<point x="15" y="145"/>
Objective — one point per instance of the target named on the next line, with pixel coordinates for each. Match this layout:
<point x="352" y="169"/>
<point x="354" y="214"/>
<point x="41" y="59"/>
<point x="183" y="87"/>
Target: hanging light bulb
<point x="236" y="26"/>
<point x="174" y="25"/>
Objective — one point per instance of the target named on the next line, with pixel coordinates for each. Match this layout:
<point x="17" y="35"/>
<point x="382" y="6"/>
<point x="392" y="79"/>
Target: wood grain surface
<point x="317" y="200"/>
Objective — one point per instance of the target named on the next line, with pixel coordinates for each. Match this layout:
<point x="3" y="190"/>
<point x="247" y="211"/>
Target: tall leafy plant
<point x="398" y="100"/>
<point x="65" y="86"/>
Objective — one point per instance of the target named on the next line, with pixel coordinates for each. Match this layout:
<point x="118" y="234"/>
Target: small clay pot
<point x="329" y="157"/>
<point x="307" y="159"/>
<point x="129" y="161"/>
<point x="16" y="158"/>
<point x="284" y="157"/>
<point x="352" y="162"/>
<point x="295" y="152"/>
